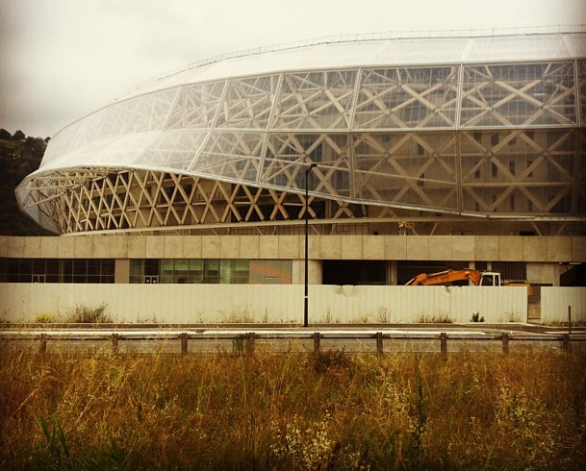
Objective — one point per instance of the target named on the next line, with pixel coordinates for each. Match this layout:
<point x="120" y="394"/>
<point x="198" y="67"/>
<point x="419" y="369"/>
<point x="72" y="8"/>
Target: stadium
<point x="404" y="152"/>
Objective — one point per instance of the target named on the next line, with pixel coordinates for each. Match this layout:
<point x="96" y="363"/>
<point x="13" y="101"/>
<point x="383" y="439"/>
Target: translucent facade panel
<point x="231" y="155"/>
<point x="285" y="163"/>
<point x="518" y="95"/>
<point x="118" y="118"/>
<point x="171" y="150"/>
<point x="151" y="112"/>
<point x="517" y="48"/>
<point x="60" y="144"/>
<point x="315" y="100"/>
<point x="123" y="149"/>
<point x="196" y="106"/>
<point x="426" y="51"/>
<point x="407" y="98"/>
<point x="407" y="168"/>
<point x="248" y="103"/>
<point x="577" y="44"/>
<point x="88" y="132"/>
<point x="519" y="171"/>
<point x="284" y="168"/>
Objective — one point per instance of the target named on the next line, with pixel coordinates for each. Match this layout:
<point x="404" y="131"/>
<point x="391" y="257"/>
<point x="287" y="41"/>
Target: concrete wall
<point x="291" y="247"/>
<point x="555" y="303"/>
<point x="254" y="303"/>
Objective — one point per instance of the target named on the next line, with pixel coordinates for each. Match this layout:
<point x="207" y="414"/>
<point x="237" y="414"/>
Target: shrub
<point x="87" y="315"/>
<point x="477" y="317"/>
<point x="45" y="318"/>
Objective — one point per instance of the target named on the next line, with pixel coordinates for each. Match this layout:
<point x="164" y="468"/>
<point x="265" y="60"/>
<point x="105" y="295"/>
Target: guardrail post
<point x="505" y="343"/>
<point x="43" y="346"/>
<point x="316" y="337"/>
<point x="115" y="343"/>
<point x="183" y="337"/>
<point x="566" y="342"/>
<point x="379" y="344"/>
<point x="250" y="344"/>
<point x="444" y="343"/>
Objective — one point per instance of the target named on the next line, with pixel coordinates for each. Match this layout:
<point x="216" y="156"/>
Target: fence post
<point x="566" y="342"/>
<point x="379" y="344"/>
<point x="444" y="343"/>
<point x="505" y="343"/>
<point x="183" y="337"/>
<point x="316" y="337"/>
<point x="115" y="343"/>
<point x="43" y="346"/>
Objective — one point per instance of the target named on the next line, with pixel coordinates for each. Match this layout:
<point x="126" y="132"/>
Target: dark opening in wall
<point x="354" y="272"/>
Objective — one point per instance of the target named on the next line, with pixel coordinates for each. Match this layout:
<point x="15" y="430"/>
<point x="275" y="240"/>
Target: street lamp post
<point x="306" y="297"/>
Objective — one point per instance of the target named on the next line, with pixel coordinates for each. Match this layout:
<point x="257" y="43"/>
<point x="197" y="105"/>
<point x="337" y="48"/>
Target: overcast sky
<point x="63" y="59"/>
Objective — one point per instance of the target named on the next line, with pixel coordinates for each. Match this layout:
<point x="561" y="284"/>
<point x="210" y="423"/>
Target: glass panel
<point x="226" y="271"/>
<point x="181" y="271"/>
<point x="212" y="271"/>
<point x="241" y="271"/>
<point x="196" y="271"/>
<point x="166" y="273"/>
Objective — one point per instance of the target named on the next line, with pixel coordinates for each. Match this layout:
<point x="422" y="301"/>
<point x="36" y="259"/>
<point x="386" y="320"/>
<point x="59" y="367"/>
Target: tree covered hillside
<point x="19" y="156"/>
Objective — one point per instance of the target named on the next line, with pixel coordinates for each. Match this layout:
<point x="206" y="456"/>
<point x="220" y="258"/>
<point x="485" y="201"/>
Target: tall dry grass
<point x="296" y="411"/>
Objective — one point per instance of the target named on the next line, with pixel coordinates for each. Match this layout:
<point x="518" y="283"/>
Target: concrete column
<point x="314" y="267"/>
<point x="122" y="271"/>
<point x="392" y="272"/>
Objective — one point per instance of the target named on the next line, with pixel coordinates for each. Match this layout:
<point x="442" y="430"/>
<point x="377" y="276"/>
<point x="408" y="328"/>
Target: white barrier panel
<point x="556" y="301"/>
<point x="188" y="304"/>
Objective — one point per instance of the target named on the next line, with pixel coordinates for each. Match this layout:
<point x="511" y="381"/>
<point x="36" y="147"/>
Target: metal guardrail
<point x="248" y="339"/>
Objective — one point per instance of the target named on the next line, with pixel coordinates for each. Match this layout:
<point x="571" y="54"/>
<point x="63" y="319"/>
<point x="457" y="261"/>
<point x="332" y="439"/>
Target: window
<point x="189" y="271"/>
<point x="57" y="271"/>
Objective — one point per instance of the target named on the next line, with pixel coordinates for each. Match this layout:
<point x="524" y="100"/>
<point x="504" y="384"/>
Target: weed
<point x="87" y="315"/>
<point x="243" y="343"/>
<point x="45" y="318"/>
<point x="476" y="317"/>
<point x="331" y="410"/>
<point x="439" y="319"/>
<point x="383" y="315"/>
<point x="330" y="360"/>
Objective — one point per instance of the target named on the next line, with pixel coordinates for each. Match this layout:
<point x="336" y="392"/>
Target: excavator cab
<point x="490" y="278"/>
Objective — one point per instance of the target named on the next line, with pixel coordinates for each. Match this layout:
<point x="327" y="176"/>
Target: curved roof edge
<point x="350" y="38"/>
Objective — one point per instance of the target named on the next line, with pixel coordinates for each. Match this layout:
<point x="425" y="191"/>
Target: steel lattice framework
<point x="495" y="129"/>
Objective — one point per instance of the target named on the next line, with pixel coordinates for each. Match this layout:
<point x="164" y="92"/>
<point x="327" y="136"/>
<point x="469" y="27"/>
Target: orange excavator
<point x="446" y="277"/>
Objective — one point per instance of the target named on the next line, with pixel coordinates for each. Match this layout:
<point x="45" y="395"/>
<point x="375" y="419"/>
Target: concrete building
<point x="416" y="154"/>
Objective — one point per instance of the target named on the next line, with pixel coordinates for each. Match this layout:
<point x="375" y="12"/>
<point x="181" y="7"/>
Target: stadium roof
<point x="400" y="49"/>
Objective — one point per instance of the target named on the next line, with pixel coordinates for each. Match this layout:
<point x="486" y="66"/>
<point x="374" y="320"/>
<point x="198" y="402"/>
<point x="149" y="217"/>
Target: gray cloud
<point x="63" y="59"/>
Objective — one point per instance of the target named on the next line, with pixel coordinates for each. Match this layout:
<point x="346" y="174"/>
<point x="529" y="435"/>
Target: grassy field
<point x="297" y="411"/>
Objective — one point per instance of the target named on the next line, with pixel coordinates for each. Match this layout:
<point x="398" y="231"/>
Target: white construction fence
<point x="190" y="304"/>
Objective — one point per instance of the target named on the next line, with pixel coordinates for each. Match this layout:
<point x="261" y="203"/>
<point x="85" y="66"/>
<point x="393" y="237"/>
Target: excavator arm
<point x="446" y="277"/>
